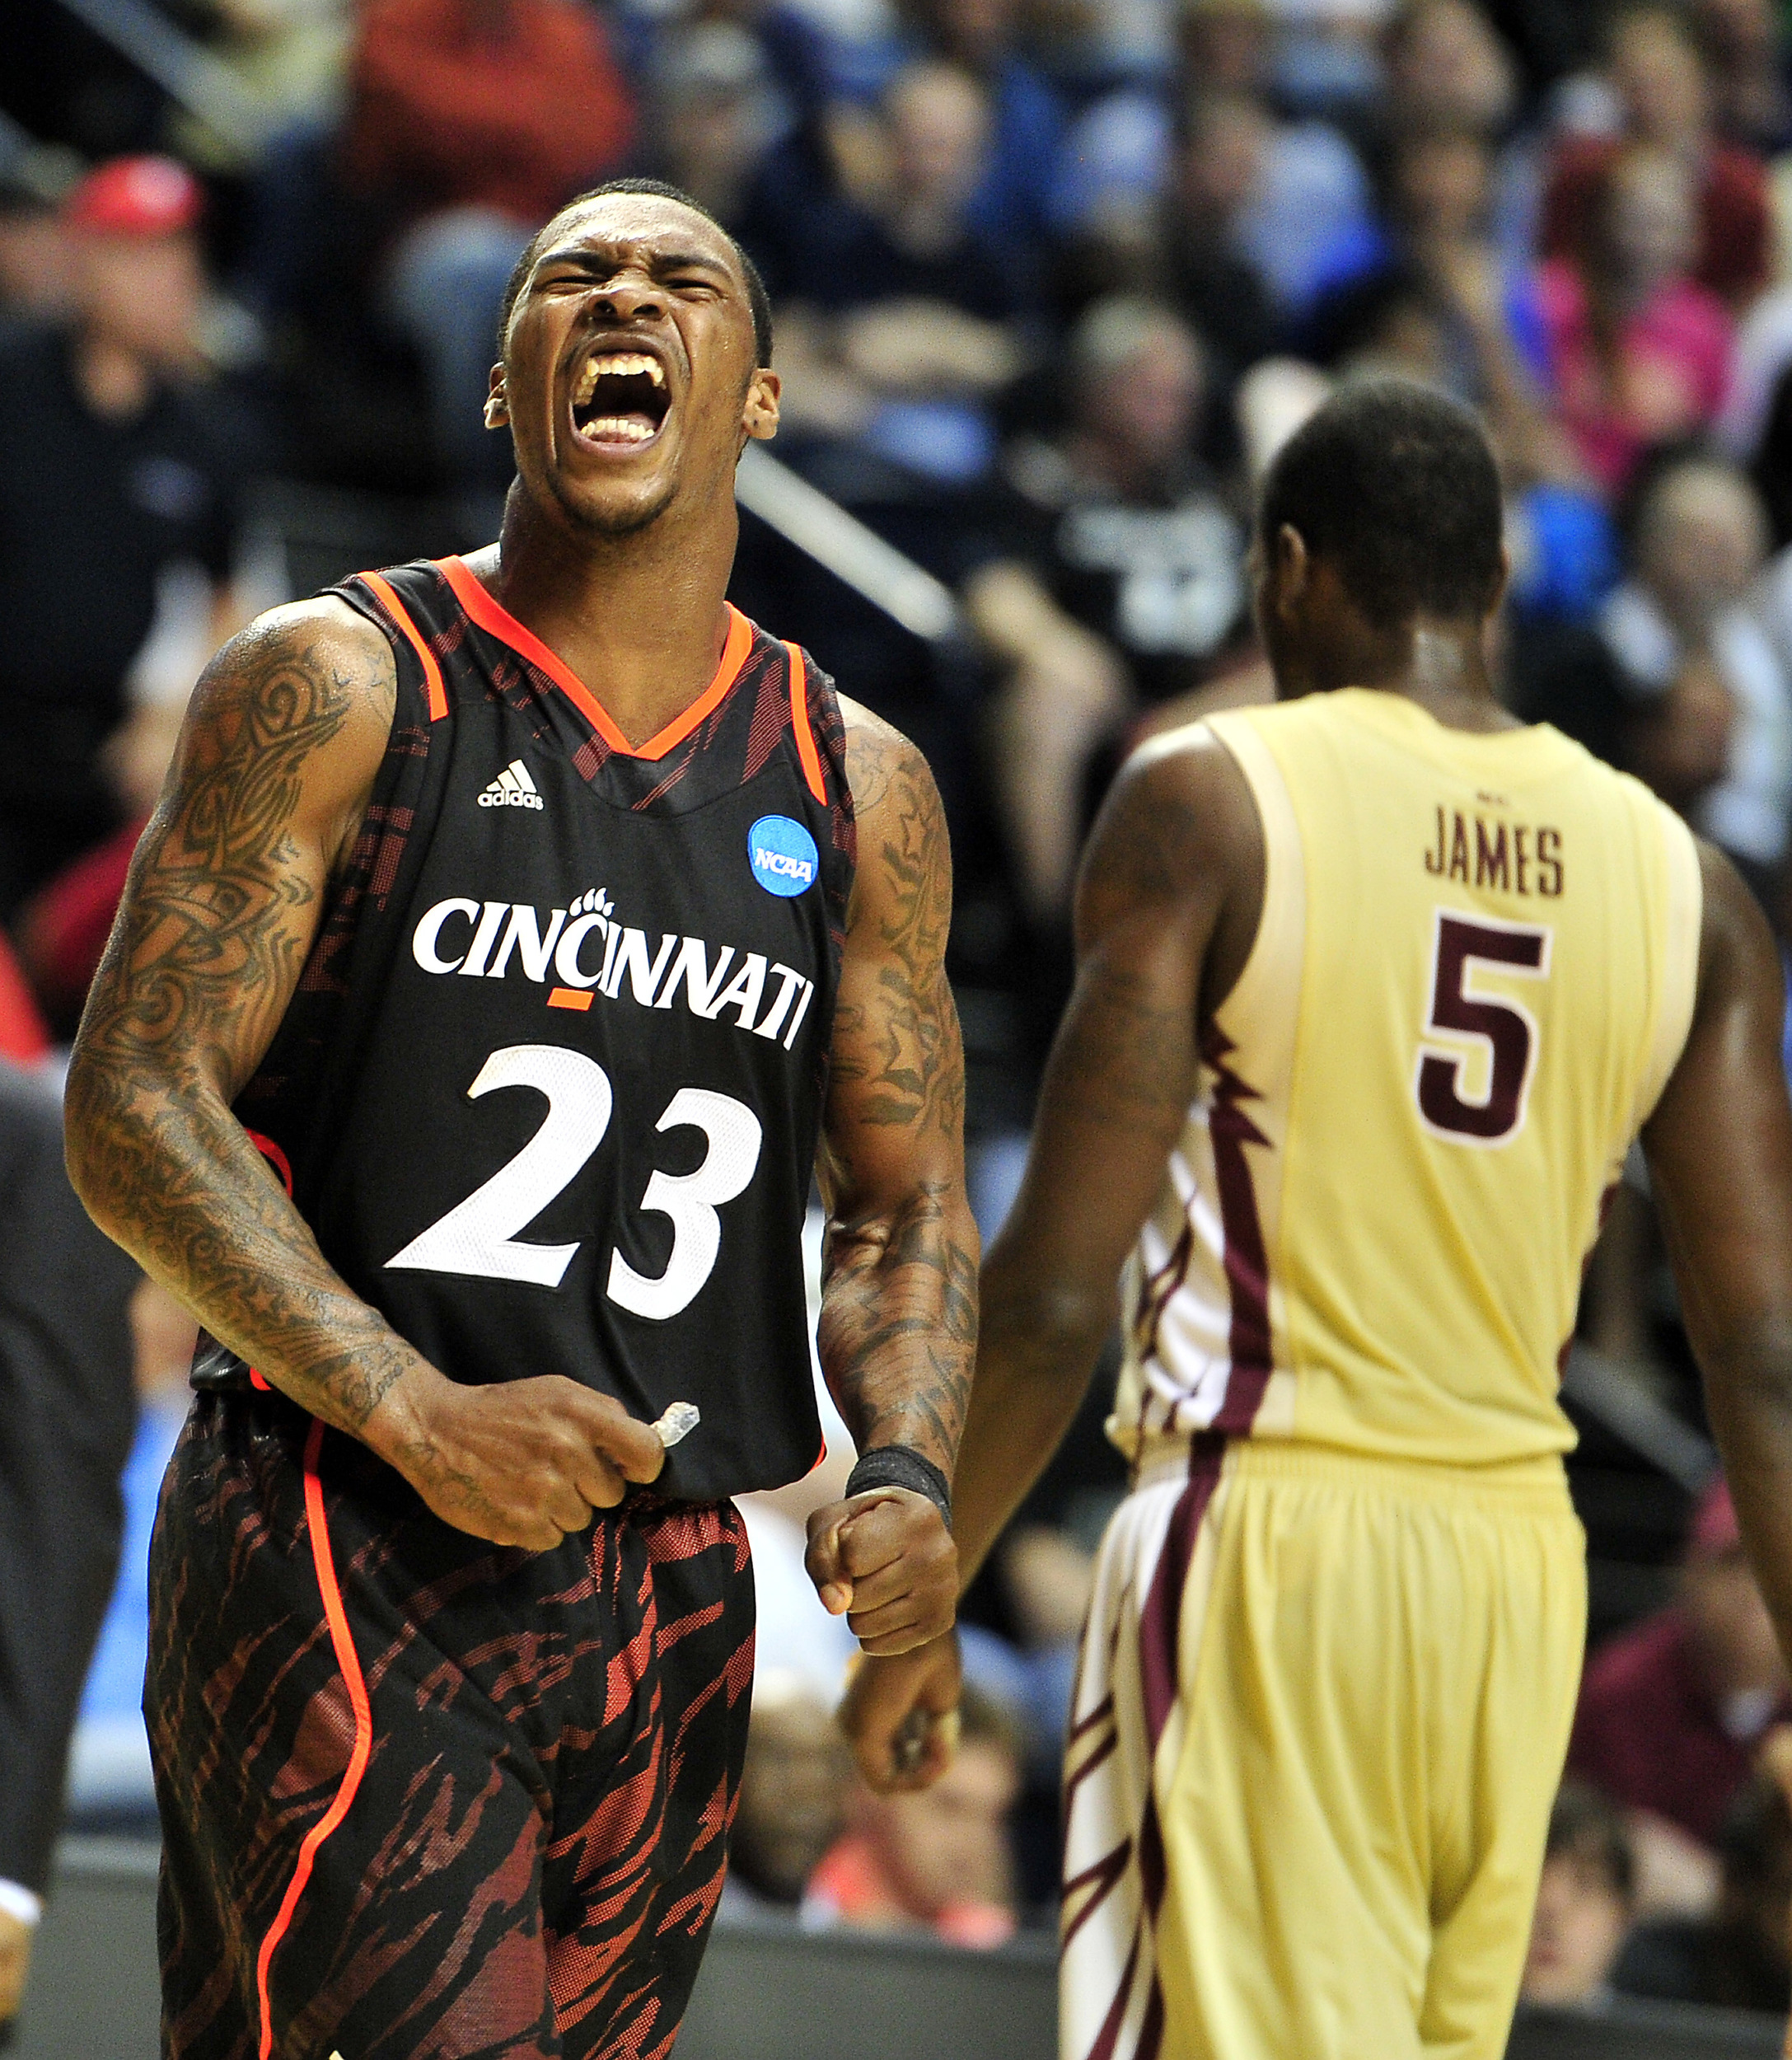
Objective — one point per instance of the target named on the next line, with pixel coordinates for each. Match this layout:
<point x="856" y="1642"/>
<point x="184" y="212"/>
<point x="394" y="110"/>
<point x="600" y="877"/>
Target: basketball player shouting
<point x="1375" y="987"/>
<point x="515" y="936"/>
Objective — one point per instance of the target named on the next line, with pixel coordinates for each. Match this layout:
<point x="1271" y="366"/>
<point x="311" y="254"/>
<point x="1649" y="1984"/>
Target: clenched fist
<point x="886" y="1561"/>
<point x="902" y="1715"/>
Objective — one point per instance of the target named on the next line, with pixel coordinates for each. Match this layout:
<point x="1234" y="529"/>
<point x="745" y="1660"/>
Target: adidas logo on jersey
<point x="512" y="788"/>
<point x="588" y="954"/>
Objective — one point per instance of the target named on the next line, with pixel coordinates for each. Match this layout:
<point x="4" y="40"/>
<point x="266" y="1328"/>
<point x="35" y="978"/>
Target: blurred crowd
<point x="1052" y="279"/>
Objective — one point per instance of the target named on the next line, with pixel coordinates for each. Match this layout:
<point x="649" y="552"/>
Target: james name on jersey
<point x="589" y="954"/>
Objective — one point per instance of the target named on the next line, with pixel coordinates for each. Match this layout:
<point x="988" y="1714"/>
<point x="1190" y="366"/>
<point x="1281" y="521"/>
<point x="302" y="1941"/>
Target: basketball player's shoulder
<point x="886" y="773"/>
<point x="1179" y="815"/>
<point x="308" y="689"/>
<point x="319" y="648"/>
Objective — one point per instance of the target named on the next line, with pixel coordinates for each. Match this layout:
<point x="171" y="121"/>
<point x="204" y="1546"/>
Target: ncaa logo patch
<point x="783" y="856"/>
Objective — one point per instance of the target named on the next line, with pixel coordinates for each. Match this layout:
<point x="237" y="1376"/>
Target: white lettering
<point x="643" y="974"/>
<point x="566" y="958"/>
<point x="773" y="1020"/>
<point x="734" y="982"/>
<point x="782" y="864"/>
<point x="425" y="942"/>
<point x="525" y="935"/>
<point x="484" y="938"/>
<point x="803" y="1009"/>
<point x="743" y="992"/>
<point x="692" y="966"/>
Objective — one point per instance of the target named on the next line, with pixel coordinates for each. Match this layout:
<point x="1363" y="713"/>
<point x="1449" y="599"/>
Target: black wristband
<point x="900" y="1466"/>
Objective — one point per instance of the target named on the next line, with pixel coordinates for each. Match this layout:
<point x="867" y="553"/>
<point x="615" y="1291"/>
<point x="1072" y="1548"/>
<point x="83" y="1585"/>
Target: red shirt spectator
<point x="1672" y="1712"/>
<point x="63" y="928"/>
<point x="1639" y="354"/>
<point x="23" y="1038"/>
<point x="1731" y="207"/>
<point x="1658" y="75"/>
<point x="852" y="1886"/>
<point x="511" y="105"/>
<point x="1664" y="376"/>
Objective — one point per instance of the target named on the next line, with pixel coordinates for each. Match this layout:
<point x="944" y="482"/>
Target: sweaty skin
<point x="1167" y="907"/>
<point x="616" y="553"/>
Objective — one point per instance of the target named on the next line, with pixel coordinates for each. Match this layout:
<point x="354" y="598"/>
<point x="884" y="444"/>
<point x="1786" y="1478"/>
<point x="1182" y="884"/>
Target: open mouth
<point x="620" y="397"/>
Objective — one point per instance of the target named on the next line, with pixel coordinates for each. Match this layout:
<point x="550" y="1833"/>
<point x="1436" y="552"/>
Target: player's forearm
<point x="1748" y="1395"/>
<point x="1039" y="1344"/>
<point x="898" y="1328"/>
<point x="168" y="1172"/>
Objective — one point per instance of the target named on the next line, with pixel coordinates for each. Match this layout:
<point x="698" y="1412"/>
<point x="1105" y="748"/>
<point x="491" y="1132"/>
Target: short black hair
<point x="1396" y="487"/>
<point x="757" y="298"/>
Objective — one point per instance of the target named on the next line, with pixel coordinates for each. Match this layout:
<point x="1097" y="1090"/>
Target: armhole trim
<point x="1677" y="989"/>
<point x="435" y="690"/>
<point x="800" y="725"/>
<point x="1276" y="959"/>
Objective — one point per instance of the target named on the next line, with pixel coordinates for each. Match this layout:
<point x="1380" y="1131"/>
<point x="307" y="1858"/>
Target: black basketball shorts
<point x="422" y="1797"/>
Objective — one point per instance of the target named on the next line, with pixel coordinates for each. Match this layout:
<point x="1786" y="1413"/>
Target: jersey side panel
<point x="1684" y="919"/>
<point x="1487" y="938"/>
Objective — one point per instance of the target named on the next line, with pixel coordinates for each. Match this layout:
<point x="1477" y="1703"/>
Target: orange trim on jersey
<point x="348" y="1660"/>
<point x="434" y="687"/>
<point x="277" y="1158"/>
<point x="811" y="758"/>
<point x="497" y="621"/>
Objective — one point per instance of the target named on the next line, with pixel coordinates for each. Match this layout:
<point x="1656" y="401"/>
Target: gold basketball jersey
<point x="1473" y="975"/>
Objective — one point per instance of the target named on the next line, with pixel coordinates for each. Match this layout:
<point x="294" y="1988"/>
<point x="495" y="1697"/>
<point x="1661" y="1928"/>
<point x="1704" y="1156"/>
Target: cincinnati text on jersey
<point x="588" y="954"/>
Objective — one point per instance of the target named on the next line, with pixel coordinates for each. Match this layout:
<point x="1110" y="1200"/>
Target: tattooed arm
<point x="1166" y="909"/>
<point x="899" y="1284"/>
<point x="276" y="763"/>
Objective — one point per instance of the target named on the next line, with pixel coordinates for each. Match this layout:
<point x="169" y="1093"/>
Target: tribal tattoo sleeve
<point x="275" y="763"/>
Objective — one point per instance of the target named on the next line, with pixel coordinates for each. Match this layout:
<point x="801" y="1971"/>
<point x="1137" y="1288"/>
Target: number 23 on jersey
<point x="478" y="1237"/>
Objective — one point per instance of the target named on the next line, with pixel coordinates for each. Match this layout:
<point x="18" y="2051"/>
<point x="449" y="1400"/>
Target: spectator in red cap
<point x="120" y="469"/>
<point x="476" y="119"/>
<point x="1673" y="1710"/>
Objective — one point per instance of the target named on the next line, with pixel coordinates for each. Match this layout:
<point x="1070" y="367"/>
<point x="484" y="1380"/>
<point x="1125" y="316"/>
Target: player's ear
<point x="759" y="416"/>
<point x="1503" y="582"/>
<point x="497" y="401"/>
<point x="1291" y="564"/>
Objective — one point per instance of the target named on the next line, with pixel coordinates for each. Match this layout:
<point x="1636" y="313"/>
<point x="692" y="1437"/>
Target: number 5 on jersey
<point x="478" y="1237"/>
<point x="1500" y="1031"/>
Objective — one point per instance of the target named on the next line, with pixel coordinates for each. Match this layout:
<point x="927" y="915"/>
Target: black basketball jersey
<point x="550" y="1089"/>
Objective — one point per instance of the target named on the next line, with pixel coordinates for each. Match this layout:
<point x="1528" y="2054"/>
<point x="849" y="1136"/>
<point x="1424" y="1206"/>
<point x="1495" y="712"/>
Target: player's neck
<point x="1442" y="666"/>
<point x="639" y="619"/>
<point x="1448" y="677"/>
